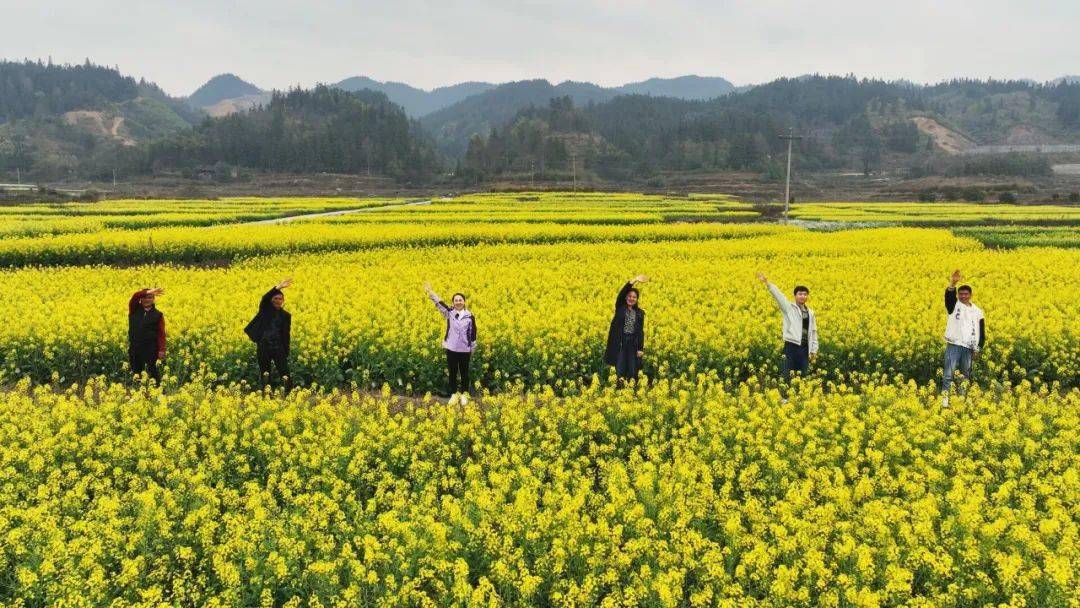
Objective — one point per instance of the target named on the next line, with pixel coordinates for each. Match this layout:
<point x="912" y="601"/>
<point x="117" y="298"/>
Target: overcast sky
<point x="277" y="43"/>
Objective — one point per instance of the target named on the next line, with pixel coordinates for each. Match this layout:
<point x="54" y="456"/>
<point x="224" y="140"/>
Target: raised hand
<point x="640" y="279"/>
<point x="285" y="283"/>
<point x="155" y="291"/>
<point x="427" y="287"/>
<point x="955" y="278"/>
<point x="762" y="278"/>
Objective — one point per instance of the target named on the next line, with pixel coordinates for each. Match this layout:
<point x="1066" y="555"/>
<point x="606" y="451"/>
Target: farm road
<point x="291" y="218"/>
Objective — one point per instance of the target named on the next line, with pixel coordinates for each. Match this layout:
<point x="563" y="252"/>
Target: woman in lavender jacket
<point x="459" y="339"/>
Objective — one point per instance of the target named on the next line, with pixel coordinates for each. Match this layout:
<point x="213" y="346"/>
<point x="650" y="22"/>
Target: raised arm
<point x="781" y="301"/>
<point x="950" y="292"/>
<point x="620" y="300"/>
<point x="265" y="305"/>
<point x="440" y="306"/>
<point x="133" y="303"/>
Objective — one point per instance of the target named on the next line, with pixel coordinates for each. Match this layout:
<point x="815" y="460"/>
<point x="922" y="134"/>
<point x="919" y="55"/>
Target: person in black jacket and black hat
<point x="626" y="335"/>
<point x="270" y="330"/>
<point x="146" y="332"/>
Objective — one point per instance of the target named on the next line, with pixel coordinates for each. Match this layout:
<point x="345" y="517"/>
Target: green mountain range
<point x="84" y="121"/>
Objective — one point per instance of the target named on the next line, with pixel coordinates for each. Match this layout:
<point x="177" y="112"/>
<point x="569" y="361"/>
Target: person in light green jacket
<point x="799" y="328"/>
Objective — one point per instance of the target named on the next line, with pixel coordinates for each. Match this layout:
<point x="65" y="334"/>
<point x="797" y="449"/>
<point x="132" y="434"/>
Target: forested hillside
<point x="322" y="129"/>
<point x="59" y="121"/>
<point x="42" y="89"/>
<point x="454" y="125"/>
<point x="847" y="123"/>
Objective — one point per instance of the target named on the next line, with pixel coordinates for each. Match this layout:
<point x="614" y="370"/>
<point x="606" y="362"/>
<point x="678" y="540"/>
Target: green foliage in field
<point x="939" y="214"/>
<point x="1009" y="237"/>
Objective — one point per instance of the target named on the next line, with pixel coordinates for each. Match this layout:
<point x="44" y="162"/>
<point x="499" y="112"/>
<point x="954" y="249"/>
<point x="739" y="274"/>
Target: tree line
<point x="36" y="88"/>
<point x="320" y="129"/>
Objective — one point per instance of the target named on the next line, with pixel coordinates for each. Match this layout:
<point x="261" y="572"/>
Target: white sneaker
<point x="453" y="399"/>
<point x="944" y="401"/>
<point x="464" y="398"/>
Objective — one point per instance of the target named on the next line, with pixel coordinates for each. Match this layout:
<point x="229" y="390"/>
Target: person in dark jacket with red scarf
<point x="146" y="333"/>
<point x="271" y="330"/>
<point x="626" y="335"/>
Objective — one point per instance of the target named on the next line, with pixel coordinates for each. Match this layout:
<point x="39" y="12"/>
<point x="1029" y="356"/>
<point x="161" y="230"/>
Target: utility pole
<point x="573" y="166"/>
<point x="114" y="178"/>
<point x="790" y="137"/>
<point x="18" y="174"/>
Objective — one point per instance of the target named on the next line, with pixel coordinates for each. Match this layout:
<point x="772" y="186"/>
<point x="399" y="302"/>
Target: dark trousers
<point x="457" y="365"/>
<point x="267" y="355"/>
<point x="142" y="360"/>
<point x="796" y="359"/>
<point x="628" y="364"/>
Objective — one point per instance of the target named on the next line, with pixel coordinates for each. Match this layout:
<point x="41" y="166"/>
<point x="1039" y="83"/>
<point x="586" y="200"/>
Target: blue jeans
<point x="796" y="359"/>
<point x="957" y="358"/>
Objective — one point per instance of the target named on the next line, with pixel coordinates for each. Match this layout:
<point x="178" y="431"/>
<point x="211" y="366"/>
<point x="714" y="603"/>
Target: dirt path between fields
<point x="291" y="218"/>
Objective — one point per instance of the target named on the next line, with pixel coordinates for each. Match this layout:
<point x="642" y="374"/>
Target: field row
<point x="1009" y="237"/>
<point x="135" y="231"/>
<point x="65" y="218"/>
<point x="83" y="217"/>
<point x="938" y="214"/>
<point x="543" y="310"/>
<point x="218" y="244"/>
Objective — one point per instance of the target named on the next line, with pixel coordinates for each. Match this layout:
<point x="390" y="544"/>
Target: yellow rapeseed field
<point x="543" y="308"/>
<point x="225" y="243"/>
<point x="689" y="493"/>
<point x="710" y="483"/>
<point x="84" y="217"/>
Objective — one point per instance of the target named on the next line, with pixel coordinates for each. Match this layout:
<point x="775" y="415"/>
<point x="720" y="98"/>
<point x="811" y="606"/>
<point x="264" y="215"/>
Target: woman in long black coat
<point x="271" y="330"/>
<point x="626" y="336"/>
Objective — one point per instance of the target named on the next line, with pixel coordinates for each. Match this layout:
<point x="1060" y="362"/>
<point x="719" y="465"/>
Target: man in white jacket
<point x="799" y="328"/>
<point x="965" y="333"/>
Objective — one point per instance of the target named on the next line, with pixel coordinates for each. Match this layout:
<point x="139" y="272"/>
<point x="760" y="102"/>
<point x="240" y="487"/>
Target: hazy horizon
<point x="278" y="44"/>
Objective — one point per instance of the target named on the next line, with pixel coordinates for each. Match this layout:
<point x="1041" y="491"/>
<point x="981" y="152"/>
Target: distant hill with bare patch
<point x="948" y="140"/>
<point x="222" y="87"/>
